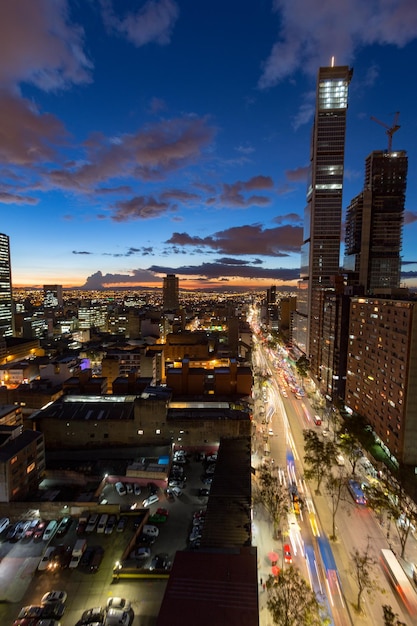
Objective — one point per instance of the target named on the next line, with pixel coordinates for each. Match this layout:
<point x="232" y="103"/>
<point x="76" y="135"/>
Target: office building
<point x="6" y="302"/>
<point x="52" y="296"/>
<point x="374" y="224"/>
<point x="382" y="370"/>
<point x="323" y="213"/>
<point x="170" y="293"/>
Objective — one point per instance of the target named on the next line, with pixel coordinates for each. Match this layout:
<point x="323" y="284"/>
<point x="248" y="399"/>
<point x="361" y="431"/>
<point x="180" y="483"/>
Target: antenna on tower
<point x="390" y="130"/>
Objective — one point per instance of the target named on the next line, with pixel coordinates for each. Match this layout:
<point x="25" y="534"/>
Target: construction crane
<point x="390" y="130"/>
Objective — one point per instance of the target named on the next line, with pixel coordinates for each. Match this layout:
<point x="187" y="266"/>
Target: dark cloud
<point x="289" y="217"/>
<point x="233" y="194"/>
<point x="275" y="242"/>
<point x="139" y="208"/>
<point x="137" y="277"/>
<point x="219" y="270"/>
<point x="81" y="252"/>
<point x="12" y="198"/>
<point x="179" y="195"/>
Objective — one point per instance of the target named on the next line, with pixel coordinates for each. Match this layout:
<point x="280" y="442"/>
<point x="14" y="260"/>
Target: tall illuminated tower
<point x="6" y="303"/>
<point x="320" y="261"/>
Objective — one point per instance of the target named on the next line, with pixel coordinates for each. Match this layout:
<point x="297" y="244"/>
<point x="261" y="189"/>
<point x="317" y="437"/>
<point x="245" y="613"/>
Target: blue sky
<point x="173" y="136"/>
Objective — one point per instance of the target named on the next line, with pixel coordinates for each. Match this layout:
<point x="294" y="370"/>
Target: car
<point x="117" y="617"/>
<point x="101" y="526"/>
<point x="61" y="557"/>
<point x="195" y="534"/>
<point x="176" y="491"/>
<point x="31" y="611"/>
<point x="96" y="614"/>
<point x="92" y="523"/>
<point x="21" y="528"/>
<point x="53" y="610"/>
<point x="39" y="530"/>
<point x="54" y="596"/>
<point x="145" y="540"/>
<point x="141" y="553"/>
<point x="50" y="530"/>
<point x="149" y="501"/>
<point x="46" y="558"/>
<point x="121" y="524"/>
<point x="118" y="603"/>
<point x="63" y="526"/>
<point x="96" y="558"/>
<point x="4" y="523"/>
<point x="86" y="558"/>
<point x="129" y="488"/>
<point x="153" y="489"/>
<point x="111" y="523"/>
<point x="150" y="530"/>
<point x="203" y="492"/>
<point x="176" y="483"/>
<point x="120" y="488"/>
<point x="31" y="528"/>
<point x="212" y="458"/>
<point x="287" y="553"/>
<point x="137" y="490"/>
<point x="162" y="511"/>
<point x="48" y="622"/>
<point x="160" y="561"/>
<point x="207" y="480"/>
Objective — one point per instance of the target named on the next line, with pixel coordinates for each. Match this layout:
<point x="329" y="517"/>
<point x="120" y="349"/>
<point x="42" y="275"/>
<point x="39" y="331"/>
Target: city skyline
<point x="160" y="138"/>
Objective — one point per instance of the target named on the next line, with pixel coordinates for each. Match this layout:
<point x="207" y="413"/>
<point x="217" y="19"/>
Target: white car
<point x="118" y="603"/>
<point x="175" y="490"/>
<point x="149" y="501"/>
<point x="120" y="488"/>
<point x="54" y="596"/>
<point x="117" y="617"/>
<point x="44" y="562"/>
<point x="151" y="531"/>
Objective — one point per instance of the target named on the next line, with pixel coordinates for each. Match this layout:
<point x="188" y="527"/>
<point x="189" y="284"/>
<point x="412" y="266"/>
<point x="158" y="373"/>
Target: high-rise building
<point x="171" y="293"/>
<point x="320" y="261"/>
<point x="6" y="302"/>
<point x="374" y="224"/>
<point x="52" y="296"/>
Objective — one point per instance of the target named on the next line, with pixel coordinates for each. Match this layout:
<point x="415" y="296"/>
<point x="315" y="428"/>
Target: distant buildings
<point x="52" y="296"/>
<point x="22" y="462"/>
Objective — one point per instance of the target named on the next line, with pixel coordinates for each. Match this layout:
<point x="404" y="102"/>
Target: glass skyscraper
<point x="320" y="257"/>
<point x="6" y="303"/>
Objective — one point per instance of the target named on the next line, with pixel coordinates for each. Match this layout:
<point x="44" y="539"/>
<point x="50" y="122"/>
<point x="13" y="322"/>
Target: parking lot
<point x="23" y="584"/>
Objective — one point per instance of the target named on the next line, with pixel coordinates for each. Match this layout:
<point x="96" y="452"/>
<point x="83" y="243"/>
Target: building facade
<point x="323" y="212"/>
<point x="374" y="224"/>
<point x="382" y="370"/>
<point x="171" y="293"/>
<point x="6" y="303"/>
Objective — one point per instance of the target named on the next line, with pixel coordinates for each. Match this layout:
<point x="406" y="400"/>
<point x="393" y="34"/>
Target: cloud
<point x="150" y="153"/>
<point x="140" y="207"/>
<point x="299" y="175"/>
<point x="38" y="45"/>
<point x="152" y="23"/>
<point x="220" y="270"/>
<point x="245" y="240"/>
<point x="27" y="137"/>
<point x="137" y="277"/>
<point x="81" y="252"/>
<point x="312" y="30"/>
<point x="232" y="195"/>
<point x="12" y="198"/>
<point x="409" y="217"/>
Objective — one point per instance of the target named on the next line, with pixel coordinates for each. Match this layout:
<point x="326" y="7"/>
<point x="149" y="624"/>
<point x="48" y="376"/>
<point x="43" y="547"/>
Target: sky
<point x="141" y="138"/>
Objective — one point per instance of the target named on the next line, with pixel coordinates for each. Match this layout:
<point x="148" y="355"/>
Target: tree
<point x="335" y="487"/>
<point x="319" y="456"/>
<point x="391" y="618"/>
<point x="273" y="496"/>
<point x="363" y="564"/>
<point x="349" y="445"/>
<point x="292" y="602"/>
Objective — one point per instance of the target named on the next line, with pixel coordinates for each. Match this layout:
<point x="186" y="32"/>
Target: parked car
<point x="111" y="523"/>
<point x="151" y="500"/>
<point x="121" y="524"/>
<point x="95" y="614"/>
<point x="129" y="487"/>
<point x="153" y="489"/>
<point x="141" y="553"/>
<point x="63" y="526"/>
<point x="120" y="488"/>
<point x="118" y="603"/>
<point x="54" y="596"/>
<point x="175" y="490"/>
<point x="4" y="523"/>
<point x="21" y="528"/>
<point x="160" y="561"/>
<point x="92" y="523"/>
<point x="150" y="530"/>
<point x="203" y="492"/>
<point x="137" y="490"/>
<point x="39" y="530"/>
<point x="50" y="530"/>
<point x="86" y="558"/>
<point x="117" y="617"/>
<point x="31" y="528"/>
<point x="96" y="559"/>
